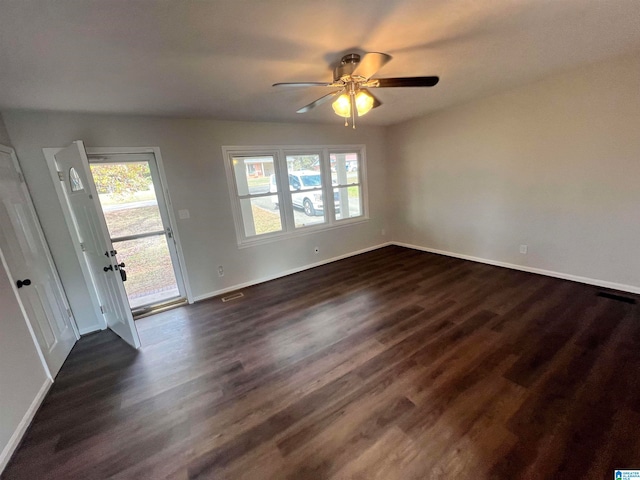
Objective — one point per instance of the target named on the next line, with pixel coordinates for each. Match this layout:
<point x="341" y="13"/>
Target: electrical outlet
<point x="220" y="271"/>
<point x="316" y="250"/>
<point x="383" y="232"/>
<point x="523" y="249"/>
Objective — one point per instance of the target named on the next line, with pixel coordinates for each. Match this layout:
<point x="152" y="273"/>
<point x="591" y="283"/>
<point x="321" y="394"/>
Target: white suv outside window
<point x="300" y="182"/>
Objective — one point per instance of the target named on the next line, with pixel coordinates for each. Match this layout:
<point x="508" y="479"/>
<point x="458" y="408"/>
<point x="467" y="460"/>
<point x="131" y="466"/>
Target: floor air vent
<point x="233" y="296"/>
<point x="619" y="298"/>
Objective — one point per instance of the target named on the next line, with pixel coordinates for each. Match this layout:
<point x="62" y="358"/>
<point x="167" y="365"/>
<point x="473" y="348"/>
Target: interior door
<point x="31" y="267"/>
<point x="91" y="229"/>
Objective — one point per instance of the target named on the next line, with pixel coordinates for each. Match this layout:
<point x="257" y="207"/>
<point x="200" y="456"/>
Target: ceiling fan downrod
<point x="352" y="97"/>
<point x="347" y="65"/>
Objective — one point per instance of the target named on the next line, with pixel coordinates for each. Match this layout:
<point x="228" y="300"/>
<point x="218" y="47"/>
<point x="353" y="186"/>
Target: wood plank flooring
<point x="394" y="364"/>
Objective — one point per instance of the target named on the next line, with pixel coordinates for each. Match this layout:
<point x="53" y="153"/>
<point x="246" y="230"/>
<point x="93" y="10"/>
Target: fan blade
<point x="302" y="84"/>
<point x="406" y="82"/>
<point x="376" y="101"/>
<point x="370" y="63"/>
<point x="319" y="101"/>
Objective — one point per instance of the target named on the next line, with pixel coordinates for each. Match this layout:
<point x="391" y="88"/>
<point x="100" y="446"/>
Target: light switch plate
<point x="183" y="214"/>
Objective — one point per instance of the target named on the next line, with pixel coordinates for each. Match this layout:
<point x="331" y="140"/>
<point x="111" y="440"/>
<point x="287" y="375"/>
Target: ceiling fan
<point x="352" y="79"/>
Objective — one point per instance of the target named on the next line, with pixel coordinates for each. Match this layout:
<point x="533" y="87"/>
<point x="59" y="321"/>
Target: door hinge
<point x="21" y="177"/>
<point x="61" y="176"/>
<point x="101" y="309"/>
<point x="69" y="313"/>
<point x="83" y="247"/>
<point x="169" y="232"/>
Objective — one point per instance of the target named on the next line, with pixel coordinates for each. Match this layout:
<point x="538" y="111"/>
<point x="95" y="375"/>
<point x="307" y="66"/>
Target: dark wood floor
<point x="394" y="364"/>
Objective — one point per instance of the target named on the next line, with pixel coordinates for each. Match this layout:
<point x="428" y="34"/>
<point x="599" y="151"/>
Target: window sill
<point x="300" y="233"/>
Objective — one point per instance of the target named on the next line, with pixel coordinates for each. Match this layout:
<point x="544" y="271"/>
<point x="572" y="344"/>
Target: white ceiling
<point x="219" y="58"/>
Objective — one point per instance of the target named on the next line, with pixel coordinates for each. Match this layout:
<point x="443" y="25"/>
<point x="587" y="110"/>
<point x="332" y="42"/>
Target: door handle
<point x="106" y="269"/>
<point x="26" y="282"/>
<point x="120" y="265"/>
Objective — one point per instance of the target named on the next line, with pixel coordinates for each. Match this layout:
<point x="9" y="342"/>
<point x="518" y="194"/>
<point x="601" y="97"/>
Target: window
<point x="254" y="194"/>
<point x="75" y="181"/>
<point x="306" y="189"/>
<point x="264" y="210"/>
<point x="347" y="189"/>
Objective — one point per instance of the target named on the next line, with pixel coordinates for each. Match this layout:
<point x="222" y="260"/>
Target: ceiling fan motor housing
<point x="347" y="65"/>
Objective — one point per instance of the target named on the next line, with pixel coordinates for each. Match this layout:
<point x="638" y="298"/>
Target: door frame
<point x="49" y="154"/>
<point x="32" y="210"/>
<point x="164" y="204"/>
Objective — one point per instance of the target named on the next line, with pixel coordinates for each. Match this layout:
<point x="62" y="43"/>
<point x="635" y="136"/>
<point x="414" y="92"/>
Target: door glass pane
<point x="261" y="215"/>
<point x="150" y="274"/>
<point x="130" y="207"/>
<point x="75" y="181"/>
<point x="305" y="185"/>
<point x="127" y="197"/>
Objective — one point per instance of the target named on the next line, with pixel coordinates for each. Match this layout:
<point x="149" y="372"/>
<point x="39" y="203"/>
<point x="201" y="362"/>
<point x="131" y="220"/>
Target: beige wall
<point x="4" y="135"/>
<point x="554" y="165"/>
<point x="192" y="156"/>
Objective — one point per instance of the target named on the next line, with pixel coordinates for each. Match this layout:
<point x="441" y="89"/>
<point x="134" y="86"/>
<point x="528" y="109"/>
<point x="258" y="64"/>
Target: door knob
<point x="106" y="269"/>
<point x="23" y="283"/>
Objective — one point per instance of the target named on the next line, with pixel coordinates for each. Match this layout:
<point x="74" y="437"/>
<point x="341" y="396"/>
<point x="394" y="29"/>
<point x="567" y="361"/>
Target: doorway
<point x="134" y="205"/>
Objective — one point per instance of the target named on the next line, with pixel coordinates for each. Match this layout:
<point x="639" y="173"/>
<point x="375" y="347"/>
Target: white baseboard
<point x="288" y="272"/>
<point x="15" y="439"/>
<point x="549" y="273"/>
<point x="91" y="329"/>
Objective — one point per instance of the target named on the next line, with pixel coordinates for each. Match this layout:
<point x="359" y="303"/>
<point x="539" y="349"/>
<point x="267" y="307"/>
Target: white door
<point x="31" y="267"/>
<point x="91" y="229"/>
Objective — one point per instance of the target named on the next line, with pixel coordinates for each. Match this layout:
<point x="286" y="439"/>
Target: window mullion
<point x="284" y="195"/>
<point x="327" y="187"/>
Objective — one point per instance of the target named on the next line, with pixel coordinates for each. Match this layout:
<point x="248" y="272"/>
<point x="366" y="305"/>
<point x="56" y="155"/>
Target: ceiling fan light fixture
<point x="342" y="106"/>
<point x="364" y="102"/>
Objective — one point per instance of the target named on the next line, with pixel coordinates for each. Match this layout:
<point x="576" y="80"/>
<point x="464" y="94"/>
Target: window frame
<point x="287" y="152"/>
<point x="361" y="182"/>
<point x="285" y="204"/>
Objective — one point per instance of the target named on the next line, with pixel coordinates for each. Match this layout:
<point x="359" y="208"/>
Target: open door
<point x="91" y="229"/>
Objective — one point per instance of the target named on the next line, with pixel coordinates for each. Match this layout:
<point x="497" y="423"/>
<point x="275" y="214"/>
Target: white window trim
<point x="280" y="152"/>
